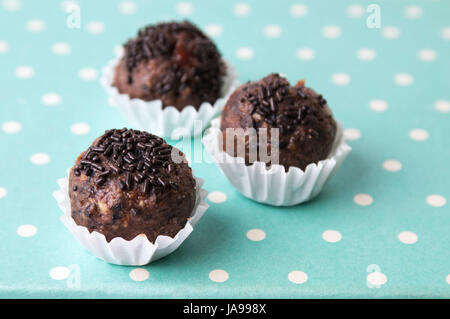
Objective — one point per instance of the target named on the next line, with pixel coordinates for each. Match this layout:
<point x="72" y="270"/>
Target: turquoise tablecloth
<point x="379" y="229"/>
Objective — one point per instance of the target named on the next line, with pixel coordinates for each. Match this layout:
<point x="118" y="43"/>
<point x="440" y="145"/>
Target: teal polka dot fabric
<point x="379" y="229"/>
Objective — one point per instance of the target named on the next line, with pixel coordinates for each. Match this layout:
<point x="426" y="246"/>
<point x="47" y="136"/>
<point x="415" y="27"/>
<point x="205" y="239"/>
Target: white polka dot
<point x="340" y="78"/>
<point x="24" y="72"/>
<point x="36" y="25"/>
<point x="27" y="230"/>
<point x="436" y="200"/>
<point x="331" y="32"/>
<point x="184" y="8"/>
<point x="363" y="199"/>
<point x="365" y="54"/>
<point x="3" y="192"/>
<point x="376" y="278"/>
<point x="80" y="128"/>
<point x="217" y="197"/>
<point x="139" y="274"/>
<point x="256" y="234"/>
<point x="298" y="10"/>
<point x="11" y="127"/>
<point x="245" y="53"/>
<point x="88" y="74"/>
<point x="306" y="54"/>
<point x="407" y="237"/>
<point x="355" y="11"/>
<point x="448" y="279"/>
<point x="272" y="31"/>
<point x="61" y="48"/>
<point x="427" y="55"/>
<point x="40" y="159"/>
<point x="4" y="47"/>
<point x="442" y="106"/>
<point x="418" y="134"/>
<point x="214" y="30"/>
<point x="127" y="7"/>
<point x="95" y="27"/>
<point x="241" y="9"/>
<point x="445" y="33"/>
<point x="118" y="50"/>
<point x="378" y="105"/>
<point x="352" y="134"/>
<point x="413" y="12"/>
<point x="12" y="5"/>
<point x="51" y="99"/>
<point x="298" y="277"/>
<point x="67" y="5"/>
<point x="392" y="165"/>
<point x="404" y="79"/>
<point x="390" y="32"/>
<point x="331" y="236"/>
<point x="218" y="275"/>
<point x="59" y="273"/>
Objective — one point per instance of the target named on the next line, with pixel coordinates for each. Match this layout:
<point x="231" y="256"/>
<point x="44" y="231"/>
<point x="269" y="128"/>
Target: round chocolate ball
<point x="305" y="123"/>
<point x="174" y="62"/>
<point x="129" y="183"/>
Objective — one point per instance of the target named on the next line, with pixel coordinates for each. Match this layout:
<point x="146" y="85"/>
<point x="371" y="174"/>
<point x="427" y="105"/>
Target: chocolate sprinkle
<point x="165" y="40"/>
<point x="265" y="103"/>
<point x="134" y="212"/>
<point x="145" y="158"/>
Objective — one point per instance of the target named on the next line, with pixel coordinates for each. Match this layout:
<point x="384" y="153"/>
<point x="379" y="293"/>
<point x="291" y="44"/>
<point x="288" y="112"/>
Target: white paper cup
<point x="138" y="251"/>
<point x="166" y="122"/>
<point x="275" y="186"/>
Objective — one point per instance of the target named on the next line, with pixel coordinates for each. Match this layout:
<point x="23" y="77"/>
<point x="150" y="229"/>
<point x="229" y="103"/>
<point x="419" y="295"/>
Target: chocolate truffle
<point x="306" y="126"/>
<point x="129" y="183"/>
<point x="173" y="62"/>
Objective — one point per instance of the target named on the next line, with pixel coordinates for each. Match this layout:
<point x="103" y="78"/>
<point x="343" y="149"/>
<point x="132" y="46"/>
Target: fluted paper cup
<point x="275" y="186"/>
<point x="166" y="122"/>
<point x="138" y="251"/>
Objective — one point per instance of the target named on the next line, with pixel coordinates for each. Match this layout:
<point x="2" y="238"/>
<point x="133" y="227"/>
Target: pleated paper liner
<point x="166" y="122"/>
<point x="275" y="186"/>
<point x="138" y="251"/>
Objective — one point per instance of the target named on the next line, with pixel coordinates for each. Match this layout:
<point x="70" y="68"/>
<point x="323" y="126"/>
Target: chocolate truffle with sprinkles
<point x="130" y="183"/>
<point x="306" y="126"/>
<point x="174" y="62"/>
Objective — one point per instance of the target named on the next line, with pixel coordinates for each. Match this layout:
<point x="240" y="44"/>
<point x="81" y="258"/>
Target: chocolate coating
<point x="173" y="62"/>
<point x="108" y="195"/>
<point x="306" y="126"/>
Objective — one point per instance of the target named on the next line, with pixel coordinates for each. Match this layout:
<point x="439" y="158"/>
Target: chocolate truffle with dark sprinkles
<point x="127" y="183"/>
<point x="174" y="62"/>
<point x="306" y="126"/>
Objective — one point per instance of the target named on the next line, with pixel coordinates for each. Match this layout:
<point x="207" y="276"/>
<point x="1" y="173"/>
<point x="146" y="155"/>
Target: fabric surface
<point x="380" y="228"/>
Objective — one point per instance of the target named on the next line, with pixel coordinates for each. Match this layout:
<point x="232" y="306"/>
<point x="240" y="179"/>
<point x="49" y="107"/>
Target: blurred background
<point x="383" y="67"/>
